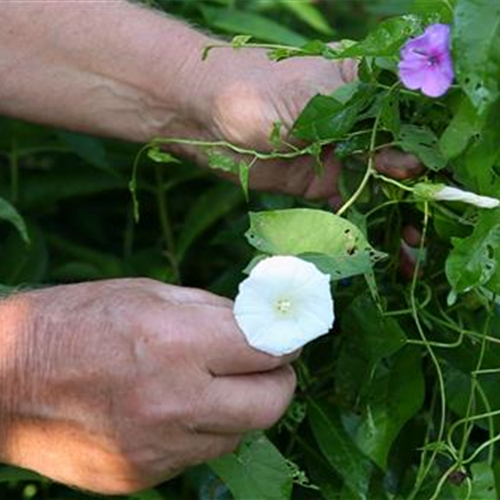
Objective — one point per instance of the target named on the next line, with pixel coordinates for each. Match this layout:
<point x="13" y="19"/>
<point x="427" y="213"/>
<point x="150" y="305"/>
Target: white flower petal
<point x="277" y="338"/>
<point x="449" y="193"/>
<point x="283" y="304"/>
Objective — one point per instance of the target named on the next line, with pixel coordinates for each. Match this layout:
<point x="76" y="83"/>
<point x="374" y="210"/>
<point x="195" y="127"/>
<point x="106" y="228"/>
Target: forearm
<point x="108" y="68"/>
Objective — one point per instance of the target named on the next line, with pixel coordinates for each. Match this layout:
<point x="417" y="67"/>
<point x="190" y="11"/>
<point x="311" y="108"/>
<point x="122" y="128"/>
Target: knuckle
<point x="147" y="282"/>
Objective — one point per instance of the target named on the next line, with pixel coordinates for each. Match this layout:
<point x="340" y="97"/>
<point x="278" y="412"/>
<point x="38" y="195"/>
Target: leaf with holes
<point x="464" y="125"/>
<point x="334" y="244"/>
<point x="476" y="39"/>
<point x="386" y="39"/>
<point x="474" y="260"/>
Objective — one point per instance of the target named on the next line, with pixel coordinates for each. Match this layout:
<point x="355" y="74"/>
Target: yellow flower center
<point x="283" y="306"/>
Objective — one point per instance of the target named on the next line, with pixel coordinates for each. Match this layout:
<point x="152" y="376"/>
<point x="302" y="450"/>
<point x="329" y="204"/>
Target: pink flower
<point x="426" y="62"/>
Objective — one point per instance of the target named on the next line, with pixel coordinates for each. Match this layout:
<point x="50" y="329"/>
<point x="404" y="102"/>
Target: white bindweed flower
<point x="285" y="303"/>
<point x="441" y="192"/>
<point x="454" y="194"/>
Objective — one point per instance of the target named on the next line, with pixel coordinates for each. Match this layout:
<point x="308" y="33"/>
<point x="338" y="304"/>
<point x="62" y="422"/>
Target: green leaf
<point x="435" y="11"/>
<point x="239" y="41"/>
<point x="306" y="11"/>
<point x="395" y="394"/>
<point x="21" y="263"/>
<point x="157" y="155"/>
<point x="16" y="474"/>
<point x="208" y="209"/>
<point x="327" y="117"/>
<point x="256" y="470"/>
<point x="243" y="176"/>
<point x="222" y="161"/>
<point x="458" y="384"/>
<point x="370" y="338"/>
<point x="475" y="168"/>
<point x="483" y="484"/>
<point x="464" y="125"/>
<point x="339" y="449"/>
<point x="386" y="39"/>
<point x="10" y="214"/>
<point x="40" y="189"/>
<point x="247" y="23"/>
<point x="423" y="143"/>
<point x="107" y="264"/>
<point x="334" y="244"/>
<point x="476" y="38"/>
<point x="389" y="113"/>
<point x="88" y="148"/>
<point x="474" y="260"/>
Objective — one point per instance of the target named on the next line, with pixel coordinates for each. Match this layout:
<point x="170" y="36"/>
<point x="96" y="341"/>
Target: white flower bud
<point x="454" y="194"/>
<point x="285" y="303"/>
<point x="441" y="192"/>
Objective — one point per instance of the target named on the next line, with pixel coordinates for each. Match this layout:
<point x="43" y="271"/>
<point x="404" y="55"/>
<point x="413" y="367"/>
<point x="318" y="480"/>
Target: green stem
<point x="14" y="171"/>
<point x="370" y="170"/>
<point x="165" y="225"/>
<point x="394" y="182"/>
<point x="232" y="147"/>
<point x="132" y="185"/>
<point x="425" y="469"/>
<point x="474" y="384"/>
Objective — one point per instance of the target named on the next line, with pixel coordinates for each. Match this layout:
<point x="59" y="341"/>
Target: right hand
<point x="116" y="386"/>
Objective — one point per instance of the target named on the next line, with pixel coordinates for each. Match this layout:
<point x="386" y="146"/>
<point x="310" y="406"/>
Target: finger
<point x="411" y="235"/>
<point x="325" y="184"/>
<point x="227" y="351"/>
<point x="398" y="164"/>
<point x="411" y="239"/>
<point x="240" y="403"/>
<point x="191" y="296"/>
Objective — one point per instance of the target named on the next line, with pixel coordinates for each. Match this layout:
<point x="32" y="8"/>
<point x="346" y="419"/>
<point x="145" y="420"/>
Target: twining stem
<point x="425" y="469"/>
<point x="474" y="385"/>
<point x="232" y="147"/>
<point x="165" y="225"/>
<point x="132" y="185"/>
<point x="394" y="182"/>
<point x="370" y="170"/>
<point x="14" y="172"/>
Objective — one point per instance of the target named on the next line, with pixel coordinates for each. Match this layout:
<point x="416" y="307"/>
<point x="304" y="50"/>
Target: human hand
<point x="116" y="386"/>
<point x="245" y="94"/>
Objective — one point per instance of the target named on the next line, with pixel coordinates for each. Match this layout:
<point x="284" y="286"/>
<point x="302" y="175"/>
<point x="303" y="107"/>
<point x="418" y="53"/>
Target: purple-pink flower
<point x="426" y="62"/>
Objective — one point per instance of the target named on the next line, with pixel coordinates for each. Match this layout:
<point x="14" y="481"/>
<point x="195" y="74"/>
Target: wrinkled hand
<point x="121" y="384"/>
<point x="249" y="93"/>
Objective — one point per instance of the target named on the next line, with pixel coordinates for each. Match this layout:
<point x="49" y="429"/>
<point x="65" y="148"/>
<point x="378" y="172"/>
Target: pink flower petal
<point x="438" y="38"/>
<point x="436" y="82"/>
<point x="426" y="62"/>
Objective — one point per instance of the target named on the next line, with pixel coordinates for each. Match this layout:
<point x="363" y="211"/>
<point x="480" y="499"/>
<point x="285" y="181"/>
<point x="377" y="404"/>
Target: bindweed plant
<point x="402" y="402"/>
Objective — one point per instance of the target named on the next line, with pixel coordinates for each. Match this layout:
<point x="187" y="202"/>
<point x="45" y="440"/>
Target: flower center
<point x="283" y="306"/>
<point x="433" y="60"/>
